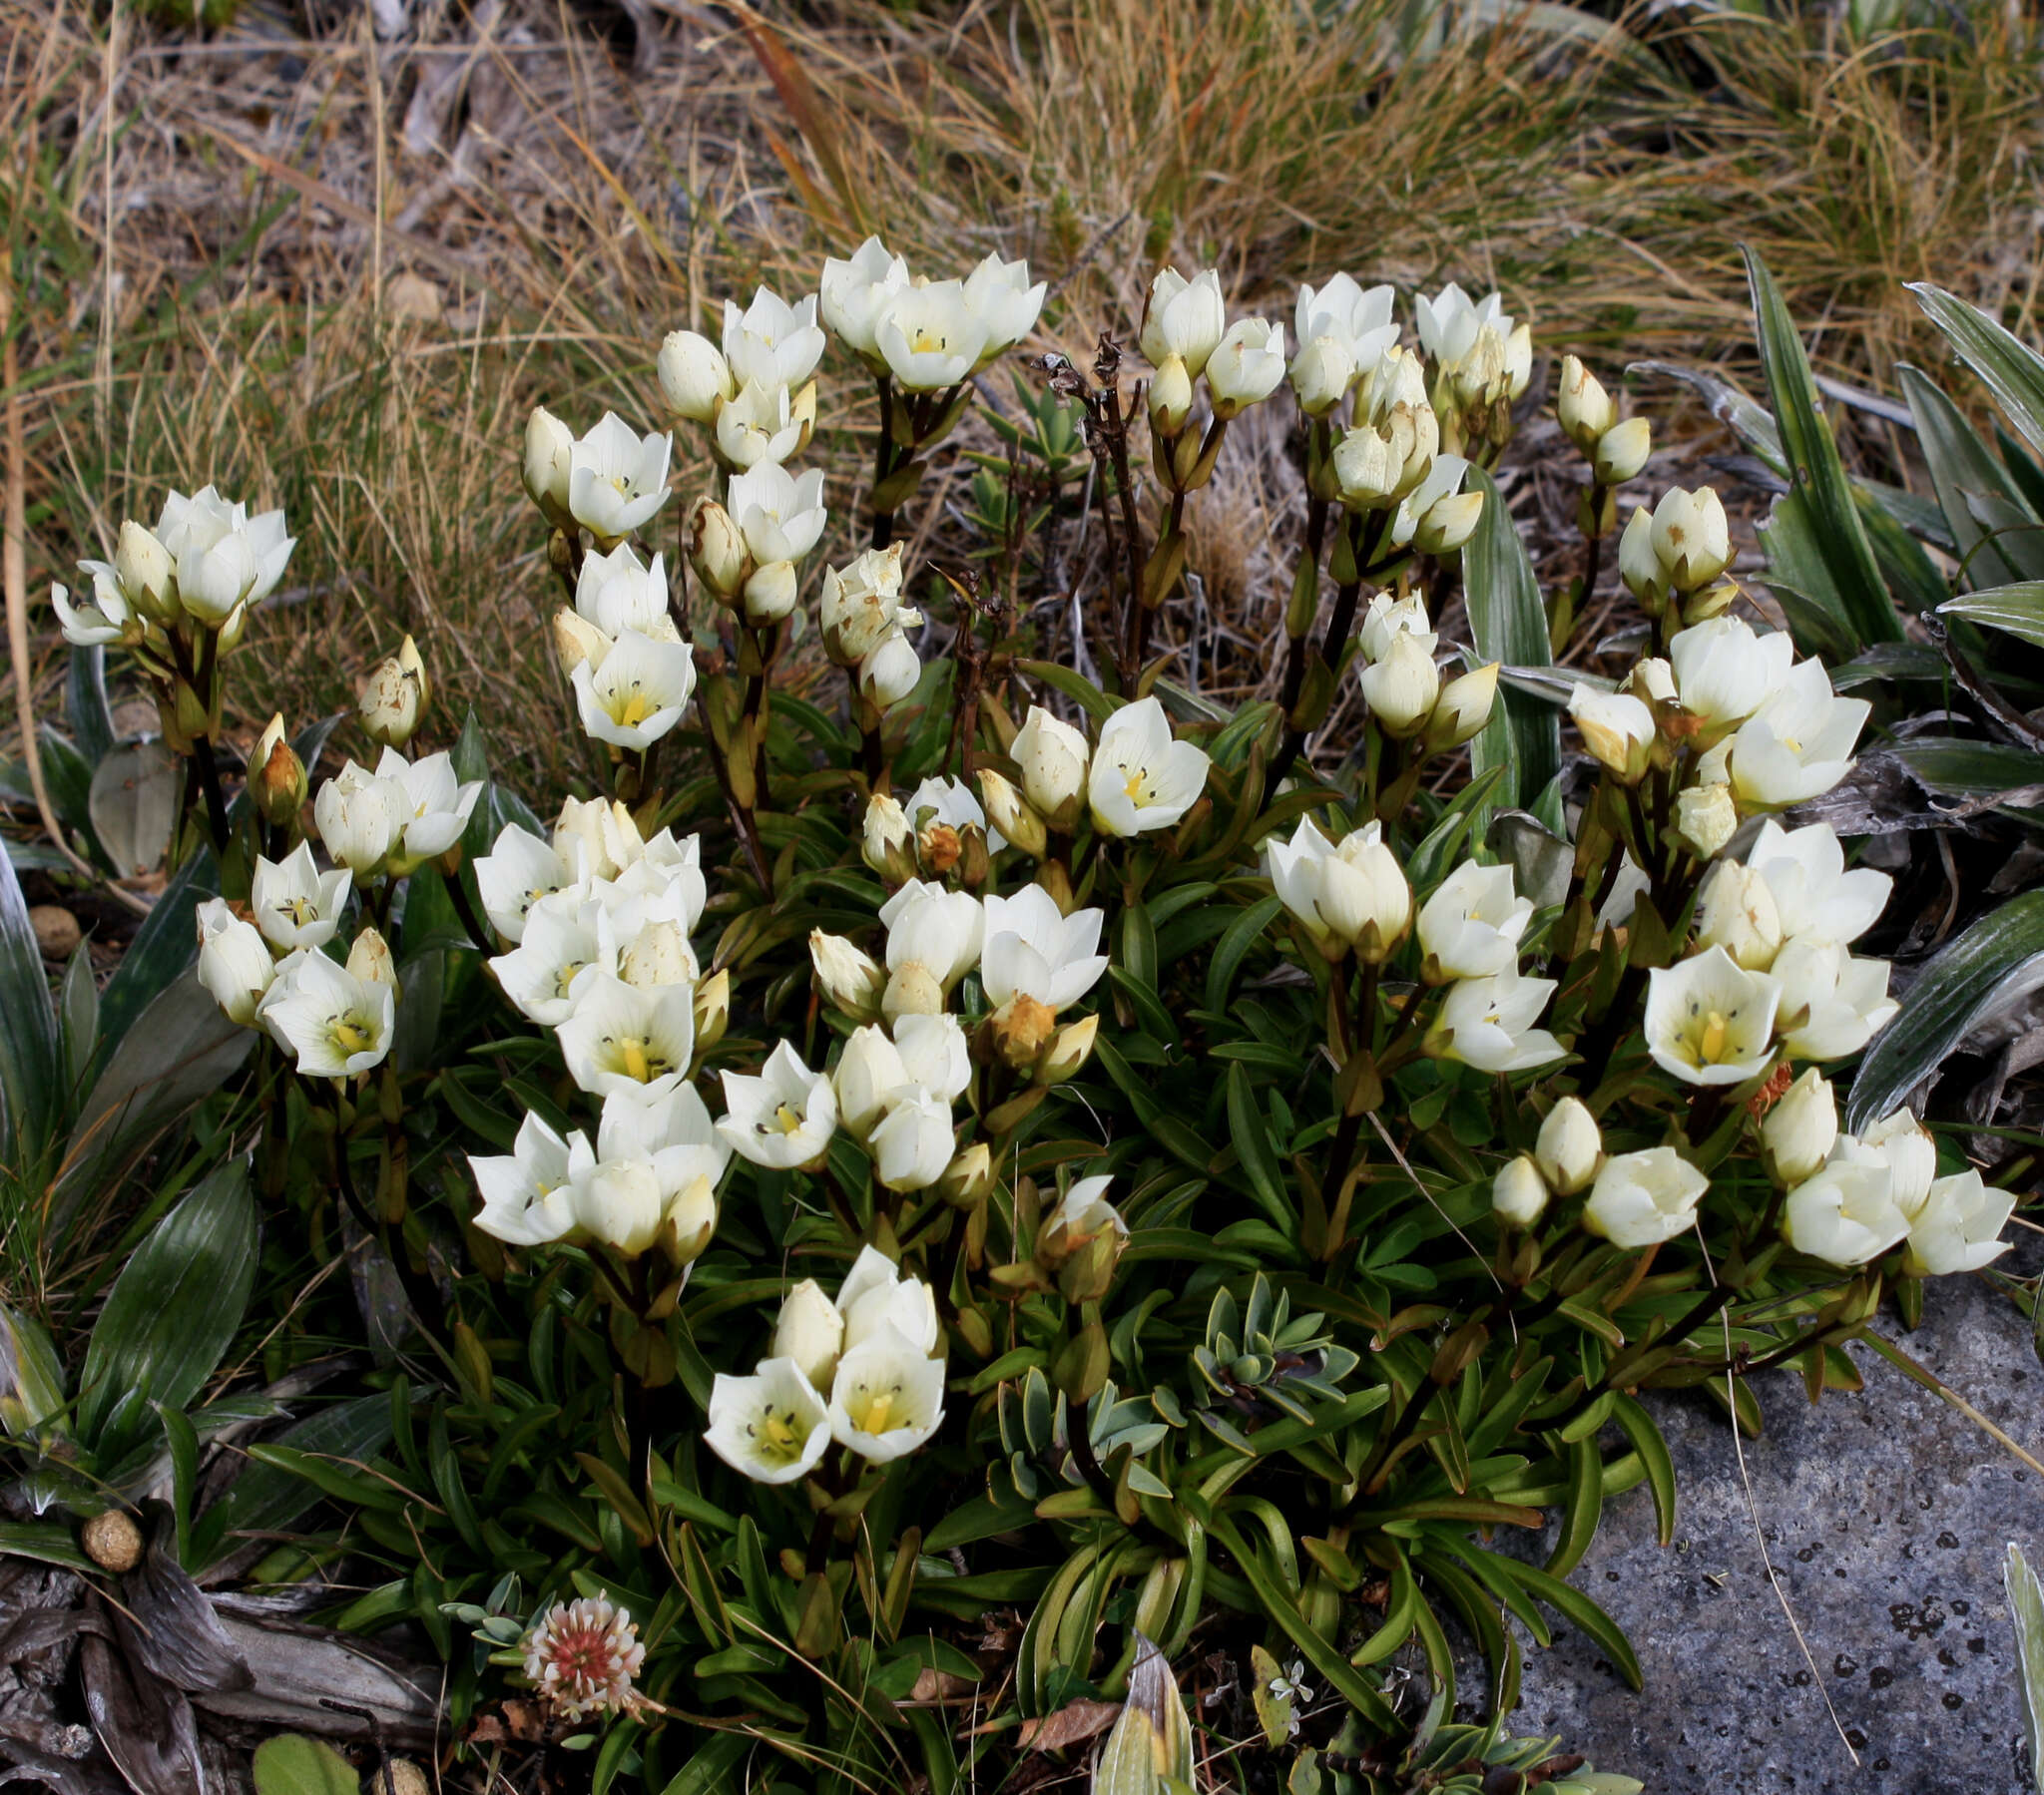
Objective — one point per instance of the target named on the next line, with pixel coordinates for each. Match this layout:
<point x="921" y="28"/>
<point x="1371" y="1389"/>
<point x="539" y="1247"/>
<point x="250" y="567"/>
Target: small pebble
<point x="57" y="931"/>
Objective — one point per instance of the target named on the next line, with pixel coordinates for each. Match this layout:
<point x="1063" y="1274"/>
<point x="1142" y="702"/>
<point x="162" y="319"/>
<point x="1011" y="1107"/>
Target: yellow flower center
<point x="564" y="976"/>
<point x="788" y="1120"/>
<point x="929" y="342"/>
<point x="778" y="1439"/>
<point x="300" y="910"/>
<point x="870" y="1409"/>
<point x="638" y="1060"/>
<point x="636" y="706"/>
<point x="350" y="1035"/>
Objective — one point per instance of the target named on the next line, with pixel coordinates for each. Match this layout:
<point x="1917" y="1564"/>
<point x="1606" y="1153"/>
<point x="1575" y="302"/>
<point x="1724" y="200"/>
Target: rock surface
<point x="1886" y="1516"/>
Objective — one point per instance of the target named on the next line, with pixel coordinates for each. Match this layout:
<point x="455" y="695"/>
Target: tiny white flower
<point x="771" y="1426"/>
<point x="782" y="1117"/>
<point x="762" y="426"/>
<point x="914" y="1141"/>
<point x="1488" y="1022"/>
<point x="1735" y="910"/>
<point x="1846" y="1212"/>
<point x="1799" y="745"/>
<point x="1470" y="927"/>
<point x="1958" y="1227"/>
<point x="1388" y="618"/>
<point x="854" y="293"/>
<point x="223" y="557"/>
<point x="1450" y="323"/>
<point x="582" y="1656"/>
<point x="567" y="941"/>
<point x="526" y="1201"/>
<point x="360" y="818"/>
<point x="334" y="1024"/>
<point x="875" y="1295"/>
<point x="295" y="904"/>
<point x="515" y="874"/>
<point x="1358" y="319"/>
<point x="1142" y="778"/>
<point x="949" y="803"/>
<point x="772" y="342"/>
<point x="998" y="293"/>
<point x="620" y="1036"/>
<point x="616" y="479"/>
<point x="1033" y="948"/>
<point x="435" y="805"/>
<point x="1831" y="1003"/>
<point x="597" y="838"/>
<point x="780" y="514"/>
<point x="811" y="1331"/>
<point x="1640" y="1199"/>
<point x="1708" y="1020"/>
<point x="886" y="1398"/>
<point x="1724" y="672"/>
<point x="868" y="1079"/>
<point x="934" y="928"/>
<point x="1816" y="897"/>
<point x="235" y="962"/>
<point x="1910" y="1152"/>
<point x="929" y="336"/>
<point x="1246" y="366"/>
<point x="618" y="591"/>
<point x="638" y="693"/>
<point x="859" y="603"/>
<point x="695" y="378"/>
<point x="1182" y="317"/>
<point x="670" y="1130"/>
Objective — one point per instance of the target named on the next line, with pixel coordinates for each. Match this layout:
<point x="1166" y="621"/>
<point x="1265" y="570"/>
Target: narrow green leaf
<point x="84" y="704"/>
<point x="2026" y="1613"/>
<point x="1251" y="1142"/>
<point x="2013" y="371"/>
<point x="1508" y="620"/>
<point x="1083" y="693"/>
<point x="2017" y="607"/>
<point x="31" y="1058"/>
<point x="1644" y="1437"/>
<point x="1574" y="1607"/>
<point x="1228" y="952"/>
<point x="1963" y="469"/>
<point x="1585" y="1506"/>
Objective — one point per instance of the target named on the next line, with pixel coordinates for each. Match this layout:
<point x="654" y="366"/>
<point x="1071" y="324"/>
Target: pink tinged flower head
<point x="582" y="1655"/>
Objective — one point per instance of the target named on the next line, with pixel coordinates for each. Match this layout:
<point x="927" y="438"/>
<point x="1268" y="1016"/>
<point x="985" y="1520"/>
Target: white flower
<point x="782" y="1118"/>
<point x="1569" y="1147"/>
<point x="772" y="343"/>
<point x="998" y="293"/>
<point x="1247" y="366"/>
<point x="145" y="570"/>
<point x="619" y="591"/>
<point x="1388" y="618"/>
<point x="913" y="1143"/>
<point x="620" y="1036"/>
<point x="1706" y="818"/>
<point x="334" y="1024"/>
<point x="669" y="1130"/>
<point x="1350" y="899"/>
<point x="885" y="839"/>
<point x="859" y="603"/>
<point x="695" y="378"/>
<point x="234" y="963"/>
<point x="1617" y="727"/>
<point x="869" y="1076"/>
<point x="223" y="557"/>
<point x="514" y="875"/>
<point x="1582" y="406"/>
<point x="1831" y="1003"/>
<point x="1471" y="925"/>
<point x="1322" y="373"/>
<point x="890" y="671"/>
<point x="1033" y="948"/>
<point x="360" y="818"/>
<point x="1182" y="317"/>
<point x="1736" y="911"/>
<point x="549" y="450"/>
<point x="596" y="838"/>
<point x="1436" y="512"/>
<point x="1053" y="757"/>
<point x="1801" y="1129"/>
<point x="1401" y="688"/>
<point x="526" y="1199"/>
<point x="810" y="1331"/>
<point x="848" y="977"/>
<point x="1799" y="745"/>
<point x="1725" y="672"/>
<point x="103" y="618"/>
<point x="886" y="1398"/>
<point x="931" y="337"/>
<point x="1622" y="451"/>
<point x="1691" y="537"/>
<point x="295" y="904"/>
<point x="1957" y="1228"/>
<point x="854" y="294"/>
<point x="1519" y="1195"/>
<point x="1816" y="897"/>
<point x="771" y="1426"/>
<point x="1141" y="778"/>
<point x="567" y="941"/>
<point x="1638" y="565"/>
<point x="582" y="1656"/>
<point x="638" y="693"/>
<point x="875" y="1297"/>
<point x="1846" y="1212"/>
<point x="949" y="803"/>
<point x="1488" y="1022"/>
<point x="934" y="1054"/>
<point x="616" y="480"/>
<point x="1910" y="1152"/>
<point x="762" y="424"/>
<point x="1708" y="1020"/>
<point x="1450" y="323"/>
<point x="434" y="803"/>
<point x="780" y="514"/>
<point x="1358" y="319"/>
<point x="1641" y="1200"/>
<point x="937" y="929"/>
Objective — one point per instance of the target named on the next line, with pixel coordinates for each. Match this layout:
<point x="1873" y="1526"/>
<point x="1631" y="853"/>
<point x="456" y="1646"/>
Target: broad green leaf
<point x="2017" y="607"/>
<point x="1081" y="692"/>
<point x="31" y="1055"/>
<point x="1508" y="620"/>
<point x="133" y="801"/>
<point x="298" y="1764"/>
<point x="1999" y="954"/>
<point x="1963" y="769"/>
<point x="164" y="945"/>
<point x="1853" y="585"/>
<point x="174" y="1309"/>
<point x="1962" y="469"/>
<point x="2026" y="1613"/>
<point x="84" y="704"/>
<point x="2013" y="371"/>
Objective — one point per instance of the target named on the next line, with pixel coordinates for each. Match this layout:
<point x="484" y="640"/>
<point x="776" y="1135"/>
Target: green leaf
<point x="1252" y="1140"/>
<point x="1963" y="768"/>
<point x="1645" y="1439"/>
<point x="2017" y="607"/>
<point x="1574" y="1607"/>
<point x="2013" y="371"/>
<point x="296" y="1764"/>
<point x="1854" y="587"/>
<point x="164" y="945"/>
<point x="31" y="1055"/>
<point x="2026" y="1613"/>
<point x="174" y="1309"/>
<point x="84" y="704"/>
<point x="1584" y="1506"/>
<point x="1242" y="934"/>
<point x="47" y="1541"/>
<point x="1508" y="620"/>
<point x="1730" y="404"/>
<point x="1083" y="693"/>
<point x="1963" y="469"/>
<point x="1999" y="953"/>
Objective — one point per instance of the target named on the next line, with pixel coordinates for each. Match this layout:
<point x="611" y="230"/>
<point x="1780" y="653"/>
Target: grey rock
<point x="1887" y="1515"/>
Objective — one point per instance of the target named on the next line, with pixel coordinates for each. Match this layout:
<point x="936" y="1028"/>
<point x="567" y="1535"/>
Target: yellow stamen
<point x="637" y="708"/>
<point x="1712" y="1044"/>
<point x="875" y="1420"/>
<point x="633" y="1052"/>
<point x="349" y="1036"/>
<point x="779" y="1430"/>
<point x="790" y="1120"/>
<point x="300" y="910"/>
<point x="1135" y="787"/>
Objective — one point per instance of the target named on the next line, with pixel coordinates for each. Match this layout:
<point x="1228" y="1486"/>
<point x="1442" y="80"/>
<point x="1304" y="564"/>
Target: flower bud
<point x="143" y="566"/>
<point x="1321" y="375"/>
<point x="969" y="1179"/>
<point x="1449" y="523"/>
<point x="690" y="1222"/>
<point x="858" y="605"/>
<point x="1069" y="1051"/>
<point x="1801" y="1129"/>
<point x="1402" y="688"/>
<point x="657" y="956"/>
<point x="1691" y="537"/>
<point x="810" y="1331"/>
<point x="888" y="847"/>
<point x="1617" y="727"/>
<point x="1737" y="913"/>
<point x="389" y="706"/>
<point x="1462" y="709"/>
<point x="549" y="447"/>
<point x="711" y="1008"/>
<point x="770" y="593"/>
<point x="1170" y="396"/>
<point x="414" y="666"/>
<point x="889" y="673"/>
<point x="695" y="379"/>
<point x="276" y="778"/>
<point x="1586" y="410"/>
<point x="1518" y="1195"/>
<point x="1053" y="757"/>
<point x="911" y="989"/>
<point x="1518" y="361"/>
<point x="1621" y="452"/>
<point x="1638" y="563"/>
<point x="803" y="412"/>
<point x="1012" y="814"/>
<point x="1081" y="1240"/>
<point x="1706" y="818"/>
<point x="1712" y="600"/>
<point x="1021" y="1029"/>
<point x="577" y="639"/>
<point x="1569" y="1147"/>
<point x="848" y="977"/>
<point x="716" y="548"/>
<point x="234" y="963"/>
<point x="371" y="961"/>
<point x="868" y="1078"/>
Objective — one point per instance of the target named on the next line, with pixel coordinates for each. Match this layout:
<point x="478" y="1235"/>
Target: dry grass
<point x="333" y="274"/>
